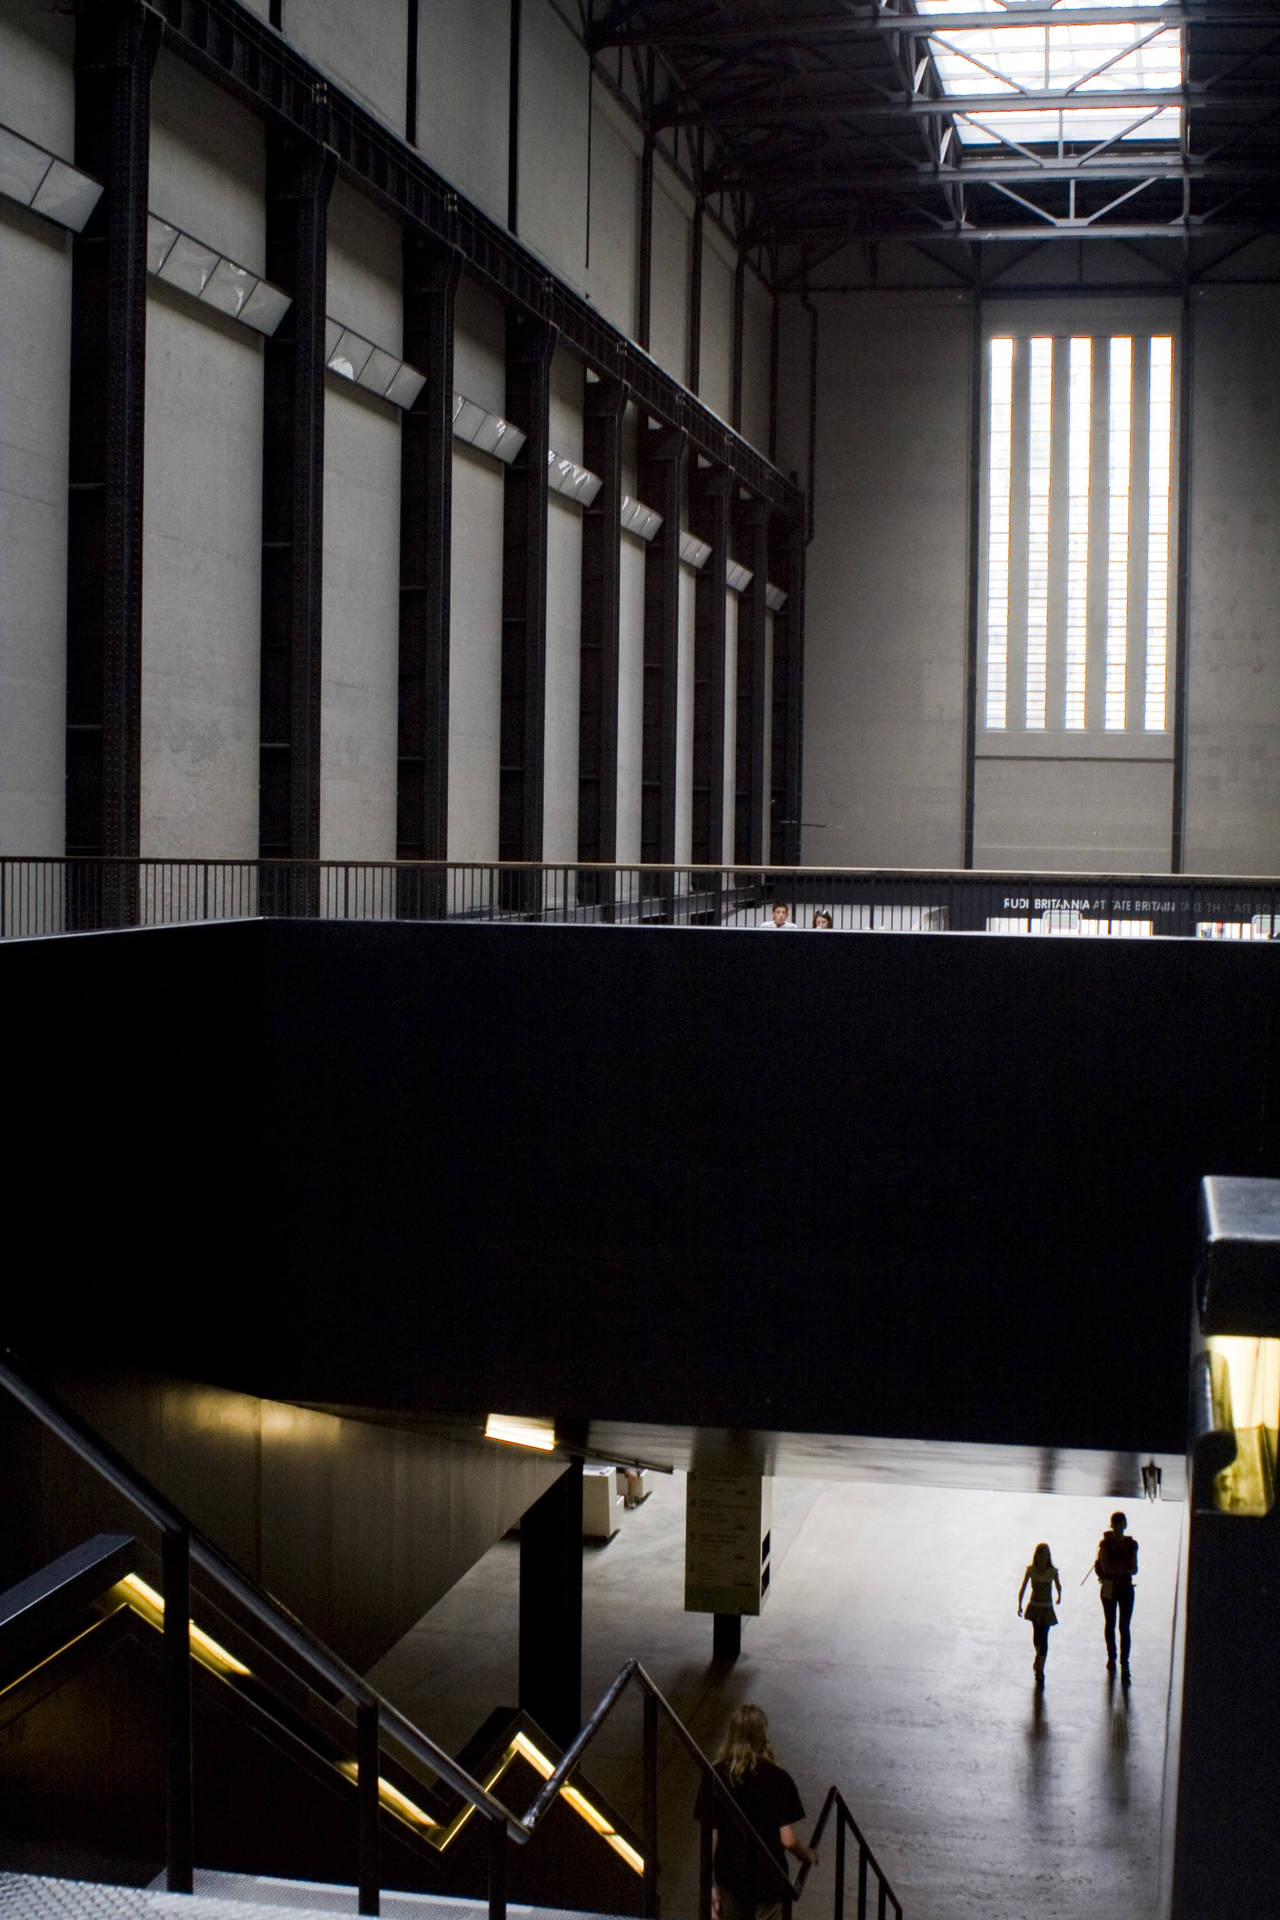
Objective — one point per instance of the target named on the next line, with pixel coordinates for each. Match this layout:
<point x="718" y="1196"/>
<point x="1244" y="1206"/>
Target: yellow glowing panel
<point x="519" y="1431"/>
<point x="150" y="1605"/>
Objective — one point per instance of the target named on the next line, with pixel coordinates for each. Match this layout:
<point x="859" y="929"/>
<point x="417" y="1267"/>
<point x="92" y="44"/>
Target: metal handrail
<point x="867" y="1861"/>
<point x="182" y="1544"/>
<point x="787" y="1889"/>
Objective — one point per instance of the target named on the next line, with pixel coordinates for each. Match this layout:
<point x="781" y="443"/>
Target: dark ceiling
<point x="827" y="124"/>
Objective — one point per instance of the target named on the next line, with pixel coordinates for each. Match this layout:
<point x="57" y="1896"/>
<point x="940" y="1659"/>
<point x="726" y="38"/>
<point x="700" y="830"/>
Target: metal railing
<point x="868" y="1865"/>
<point x="373" y="1719"/>
<point x="40" y="896"/>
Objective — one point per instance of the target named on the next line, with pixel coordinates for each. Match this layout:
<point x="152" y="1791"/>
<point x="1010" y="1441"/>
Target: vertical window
<point x="1078" y="535"/>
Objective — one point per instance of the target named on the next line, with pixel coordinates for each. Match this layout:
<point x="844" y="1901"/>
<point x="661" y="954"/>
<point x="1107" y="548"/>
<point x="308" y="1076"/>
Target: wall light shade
<point x="519" y="1431"/>
<point x="39" y="180"/>
<point x="774" y="598"/>
<point x="350" y="355"/>
<point x="210" y="277"/>
<point x="565" y="476"/>
<point x="487" y="432"/>
<point x="738" y="578"/>
<point x="638" y="519"/>
<point x="694" y="552"/>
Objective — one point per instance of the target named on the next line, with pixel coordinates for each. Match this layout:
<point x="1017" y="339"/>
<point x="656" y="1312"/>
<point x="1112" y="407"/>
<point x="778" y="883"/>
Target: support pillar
<point x="116" y="45"/>
<point x="751" y="550"/>
<point x="786" y="566"/>
<point x="661" y="469"/>
<point x="605" y="406"/>
<point x="551" y="1607"/>
<point x="431" y="276"/>
<point x="709" y="489"/>
<point x="530" y="344"/>
<point x="300" y="177"/>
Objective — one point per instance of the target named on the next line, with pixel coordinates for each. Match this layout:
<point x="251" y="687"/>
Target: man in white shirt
<point x="779" y="921"/>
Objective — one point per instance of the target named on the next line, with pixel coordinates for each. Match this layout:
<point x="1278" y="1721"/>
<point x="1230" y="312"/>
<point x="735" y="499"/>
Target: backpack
<point x="1116" y="1555"/>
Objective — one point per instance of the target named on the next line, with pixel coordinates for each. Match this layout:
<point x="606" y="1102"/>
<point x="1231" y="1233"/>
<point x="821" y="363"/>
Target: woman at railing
<point x="766" y="1794"/>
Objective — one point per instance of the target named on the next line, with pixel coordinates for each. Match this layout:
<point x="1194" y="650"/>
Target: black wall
<point x="931" y="1185"/>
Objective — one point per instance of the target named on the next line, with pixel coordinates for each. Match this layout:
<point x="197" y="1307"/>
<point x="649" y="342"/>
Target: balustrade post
<point x="862" y="1878"/>
<point x="838" y="1908"/>
<point x="497" y="1870"/>
<point x="175" y="1560"/>
<point x="367" y="1743"/>
<point x="651" y="1892"/>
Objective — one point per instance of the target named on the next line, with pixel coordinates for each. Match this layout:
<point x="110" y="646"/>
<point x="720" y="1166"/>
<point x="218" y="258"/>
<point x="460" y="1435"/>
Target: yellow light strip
<point x="518" y="1431"/>
<point x="146" y="1601"/>
<point x="149" y="1604"/>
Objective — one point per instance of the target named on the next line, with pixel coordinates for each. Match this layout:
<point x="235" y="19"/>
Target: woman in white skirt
<point x="1042" y="1577"/>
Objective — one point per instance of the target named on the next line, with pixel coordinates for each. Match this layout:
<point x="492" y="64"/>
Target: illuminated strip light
<point x="1039" y="443"/>
<point x="210" y="277"/>
<point x="999" y="505"/>
<point x="519" y="1431"/>
<point x="149" y="1604"/>
<point x="1159" y="486"/>
<point x="583" y="1807"/>
<point x="1079" y="429"/>
<point x="1119" y="411"/>
<point x="38" y="179"/>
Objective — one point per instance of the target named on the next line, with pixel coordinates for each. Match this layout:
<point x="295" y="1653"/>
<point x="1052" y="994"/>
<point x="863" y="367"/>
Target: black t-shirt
<point x="768" y="1797"/>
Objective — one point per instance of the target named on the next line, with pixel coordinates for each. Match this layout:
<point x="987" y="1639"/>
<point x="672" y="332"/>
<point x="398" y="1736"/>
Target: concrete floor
<point x="890" y="1660"/>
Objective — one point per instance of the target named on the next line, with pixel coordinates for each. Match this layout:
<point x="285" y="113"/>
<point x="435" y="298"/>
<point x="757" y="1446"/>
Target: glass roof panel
<point x="1005" y="61"/>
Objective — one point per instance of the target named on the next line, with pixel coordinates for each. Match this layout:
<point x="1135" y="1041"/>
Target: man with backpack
<point x="1116" y="1567"/>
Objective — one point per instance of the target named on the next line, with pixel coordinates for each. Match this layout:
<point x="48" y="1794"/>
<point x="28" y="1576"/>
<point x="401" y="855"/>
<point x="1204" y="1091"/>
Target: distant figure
<point x="1041" y="1576"/>
<point x="767" y="1795"/>
<point x="779" y="921"/>
<point x="1116" y="1567"/>
<point x="1152" y="1477"/>
<point x="822" y="921"/>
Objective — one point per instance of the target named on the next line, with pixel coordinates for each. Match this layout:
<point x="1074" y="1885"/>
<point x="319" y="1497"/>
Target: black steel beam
<point x="299" y="179"/>
<point x="431" y="276"/>
<point x="803" y="109"/>
<point x="660" y="470"/>
<point x="238" y="50"/>
<point x="1053" y="229"/>
<point x="530" y="344"/>
<point x="116" y="47"/>
<point x="605" y="404"/>
<point x="913" y="176"/>
<point x="709" y="491"/>
<point x="751" y="549"/>
<point x="786" y="568"/>
<point x="713" y="35"/>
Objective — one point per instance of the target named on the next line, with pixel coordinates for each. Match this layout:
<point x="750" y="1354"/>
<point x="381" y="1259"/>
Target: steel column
<point x="300" y="176"/>
<point x="175" y="1560"/>
<point x="605" y="404"/>
<point x="695" y="295"/>
<point x="709" y="489"/>
<point x="649" y="1823"/>
<point x="524" y="592"/>
<point x="431" y="276"/>
<point x="550" y="1682"/>
<point x="661" y="468"/>
<point x="751" y="550"/>
<point x="116" y="45"/>
<point x="786" y="567"/>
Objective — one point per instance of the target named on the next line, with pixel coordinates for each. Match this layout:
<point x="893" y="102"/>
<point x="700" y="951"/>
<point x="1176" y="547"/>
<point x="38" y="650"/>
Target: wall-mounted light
<point x="694" y="552"/>
<point x="774" y="598"/>
<point x="352" y="357"/>
<point x="565" y="476"/>
<point x="488" y="432"/>
<point x="208" y="276"/>
<point x="39" y="180"/>
<point x="519" y="1431"/>
<point x="738" y="578"/>
<point x="639" y="519"/>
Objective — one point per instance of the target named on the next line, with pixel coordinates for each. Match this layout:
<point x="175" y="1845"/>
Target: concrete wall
<point x="885" y="593"/>
<point x="36" y="99"/>
<point x="202" y="504"/>
<point x="462" y="101"/>
<point x="1233" y="692"/>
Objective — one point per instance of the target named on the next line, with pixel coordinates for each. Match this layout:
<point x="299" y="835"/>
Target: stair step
<point x="229" y="1896"/>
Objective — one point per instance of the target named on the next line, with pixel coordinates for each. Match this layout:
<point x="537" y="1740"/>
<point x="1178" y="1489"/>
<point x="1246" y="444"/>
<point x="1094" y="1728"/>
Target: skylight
<point x="1003" y="61"/>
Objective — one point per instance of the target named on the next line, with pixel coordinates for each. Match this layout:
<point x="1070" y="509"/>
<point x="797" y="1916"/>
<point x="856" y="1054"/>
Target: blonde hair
<point x="746" y="1742"/>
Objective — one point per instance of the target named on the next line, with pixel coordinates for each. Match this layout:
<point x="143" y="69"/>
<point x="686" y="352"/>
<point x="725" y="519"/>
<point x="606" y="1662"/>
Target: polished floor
<point x="890" y="1660"/>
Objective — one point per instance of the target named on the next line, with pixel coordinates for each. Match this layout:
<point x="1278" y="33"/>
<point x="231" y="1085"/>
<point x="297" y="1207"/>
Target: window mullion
<point x="1056" y="690"/>
<point x="1139" y="460"/>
